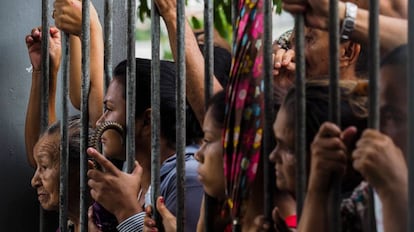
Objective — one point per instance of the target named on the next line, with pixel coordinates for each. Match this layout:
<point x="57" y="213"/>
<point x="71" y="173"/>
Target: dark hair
<point x="217" y="107"/>
<point x="222" y="64"/>
<point x="74" y="129"/>
<point x="361" y="68"/>
<point x="167" y="95"/>
<point x="353" y="107"/>
<point x="398" y="56"/>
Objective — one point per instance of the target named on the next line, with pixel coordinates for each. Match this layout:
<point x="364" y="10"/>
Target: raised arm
<point x="393" y="30"/>
<point x="193" y="58"/>
<point x="33" y="114"/>
<point x="68" y="17"/>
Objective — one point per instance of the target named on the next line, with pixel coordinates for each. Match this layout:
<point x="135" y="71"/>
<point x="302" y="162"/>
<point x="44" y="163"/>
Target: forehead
<point x="115" y="92"/>
<point x="209" y="123"/>
<point x="282" y="125"/>
<point x="47" y="146"/>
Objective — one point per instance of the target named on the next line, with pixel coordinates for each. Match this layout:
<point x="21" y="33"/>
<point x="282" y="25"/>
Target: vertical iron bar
<point x="180" y="115"/>
<point x="374" y="108"/>
<point x="300" y="145"/>
<point x="131" y="79"/>
<point x="84" y="115"/>
<point x="64" y="143"/>
<point x="268" y="141"/>
<point x="334" y="107"/>
<point x="208" y="84"/>
<point x="44" y="111"/>
<point x="44" y="117"/>
<point x="208" y="49"/>
<point x="108" y="42"/>
<point x="155" y="108"/>
<point x="410" y="218"/>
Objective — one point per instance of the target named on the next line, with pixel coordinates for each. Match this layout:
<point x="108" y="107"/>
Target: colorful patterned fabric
<point x="354" y="209"/>
<point x="244" y="118"/>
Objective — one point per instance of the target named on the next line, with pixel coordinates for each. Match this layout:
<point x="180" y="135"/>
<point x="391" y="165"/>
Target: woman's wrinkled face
<point x="210" y="158"/>
<point x="283" y="154"/>
<point x="115" y="108"/>
<point x="316" y="52"/>
<point x="46" y="178"/>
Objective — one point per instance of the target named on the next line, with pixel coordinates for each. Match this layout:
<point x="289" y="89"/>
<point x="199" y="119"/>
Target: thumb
<point x="137" y="170"/>
<point x="348" y="135"/>
<point x="162" y="209"/>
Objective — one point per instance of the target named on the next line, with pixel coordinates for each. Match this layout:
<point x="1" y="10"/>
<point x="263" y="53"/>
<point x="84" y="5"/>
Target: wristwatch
<point x="348" y="24"/>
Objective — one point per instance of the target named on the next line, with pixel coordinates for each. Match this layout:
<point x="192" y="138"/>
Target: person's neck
<point x="348" y="73"/>
<point x="144" y="159"/>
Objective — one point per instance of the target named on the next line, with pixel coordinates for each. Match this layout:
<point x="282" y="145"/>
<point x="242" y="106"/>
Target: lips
<point x="41" y="196"/>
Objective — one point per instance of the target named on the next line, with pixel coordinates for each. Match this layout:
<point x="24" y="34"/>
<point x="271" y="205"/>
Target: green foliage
<point x="196" y="23"/>
<point x="222" y="15"/>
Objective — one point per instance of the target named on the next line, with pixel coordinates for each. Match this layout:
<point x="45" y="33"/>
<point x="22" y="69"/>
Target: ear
<point x="349" y="53"/>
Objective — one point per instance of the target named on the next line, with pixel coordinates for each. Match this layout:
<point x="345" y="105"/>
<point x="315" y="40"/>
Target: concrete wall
<point x="19" y="209"/>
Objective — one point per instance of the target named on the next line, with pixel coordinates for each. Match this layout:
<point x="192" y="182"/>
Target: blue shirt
<point x="168" y="177"/>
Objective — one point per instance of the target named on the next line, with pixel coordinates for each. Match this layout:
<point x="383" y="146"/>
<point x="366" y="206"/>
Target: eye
<point x="308" y="39"/>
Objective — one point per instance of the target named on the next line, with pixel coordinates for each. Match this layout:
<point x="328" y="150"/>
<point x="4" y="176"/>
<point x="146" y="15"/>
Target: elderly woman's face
<point x="210" y="158"/>
<point x="114" y="105"/>
<point x="46" y="178"/>
<point x="316" y="52"/>
<point x="283" y="155"/>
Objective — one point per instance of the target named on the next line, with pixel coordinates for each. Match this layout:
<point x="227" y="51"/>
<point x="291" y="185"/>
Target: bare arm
<point x="393" y="31"/>
<point x="193" y="58"/>
<point x="32" y="123"/>
<point x="70" y="22"/>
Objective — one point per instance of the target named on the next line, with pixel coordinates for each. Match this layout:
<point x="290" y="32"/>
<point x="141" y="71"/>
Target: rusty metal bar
<point x="300" y="130"/>
<point x="268" y="141"/>
<point x="108" y="12"/>
<point x="208" y="85"/>
<point x="334" y="107"/>
<point x="64" y="142"/>
<point x="374" y="74"/>
<point x="131" y="88"/>
<point x="84" y="115"/>
<point x="155" y="106"/>
<point x="180" y="115"/>
<point x="208" y="49"/>
<point x="44" y="111"/>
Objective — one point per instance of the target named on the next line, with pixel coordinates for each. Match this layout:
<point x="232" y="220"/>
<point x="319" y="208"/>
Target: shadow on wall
<point x="19" y="210"/>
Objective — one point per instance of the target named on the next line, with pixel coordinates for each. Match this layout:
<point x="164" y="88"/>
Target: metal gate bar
<point x="131" y="89"/>
<point x="155" y="108"/>
<point x="84" y="115"/>
<point x="300" y="120"/>
<point x="64" y="142"/>
<point x="268" y="140"/>
<point x="180" y="115"/>
<point x="334" y="106"/>
<point x="108" y="26"/>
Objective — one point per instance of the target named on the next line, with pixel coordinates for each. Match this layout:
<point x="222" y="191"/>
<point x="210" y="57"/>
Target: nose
<point x="199" y="155"/>
<point x="35" y="180"/>
<point x="100" y="120"/>
<point x="274" y="154"/>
